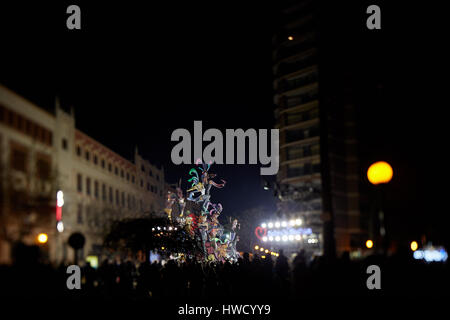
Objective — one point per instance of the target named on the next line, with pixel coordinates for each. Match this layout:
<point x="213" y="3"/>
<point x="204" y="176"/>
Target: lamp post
<point x="379" y="174"/>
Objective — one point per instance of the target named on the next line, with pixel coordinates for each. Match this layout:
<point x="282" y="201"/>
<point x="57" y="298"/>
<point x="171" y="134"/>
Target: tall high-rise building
<point x="318" y="177"/>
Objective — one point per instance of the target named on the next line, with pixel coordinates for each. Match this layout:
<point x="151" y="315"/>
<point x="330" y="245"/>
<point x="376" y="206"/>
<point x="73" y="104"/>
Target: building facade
<point x="43" y="153"/>
<point x="319" y="173"/>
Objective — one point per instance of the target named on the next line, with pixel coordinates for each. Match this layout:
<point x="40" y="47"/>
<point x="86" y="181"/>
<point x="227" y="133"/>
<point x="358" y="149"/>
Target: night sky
<point x="134" y="74"/>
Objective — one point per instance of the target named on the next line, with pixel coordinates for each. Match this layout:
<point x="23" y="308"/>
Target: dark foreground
<point x="260" y="278"/>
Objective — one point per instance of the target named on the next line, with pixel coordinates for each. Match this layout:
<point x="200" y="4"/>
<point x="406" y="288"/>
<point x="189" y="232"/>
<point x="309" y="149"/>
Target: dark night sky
<point x="134" y="74"/>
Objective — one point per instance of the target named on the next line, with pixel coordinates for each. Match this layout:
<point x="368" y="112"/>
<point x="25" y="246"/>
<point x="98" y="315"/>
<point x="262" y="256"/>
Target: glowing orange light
<point x="42" y="238"/>
<point x="369" y="244"/>
<point x="380" y="172"/>
<point x="414" y="246"/>
<point x="290" y="38"/>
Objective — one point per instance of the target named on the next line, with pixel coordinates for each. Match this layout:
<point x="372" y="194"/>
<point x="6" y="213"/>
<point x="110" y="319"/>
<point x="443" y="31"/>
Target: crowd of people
<point x="249" y="277"/>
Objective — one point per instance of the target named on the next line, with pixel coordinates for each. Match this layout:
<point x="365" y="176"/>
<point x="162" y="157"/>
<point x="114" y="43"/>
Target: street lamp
<point x="42" y="238"/>
<point x="380" y="173"/>
<point x="60" y="226"/>
<point x="414" y="245"/>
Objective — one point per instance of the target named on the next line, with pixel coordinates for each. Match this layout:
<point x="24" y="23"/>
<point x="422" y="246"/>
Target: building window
<point x="104" y="192"/>
<point x="129" y="201"/>
<point x="50" y="138"/>
<point x="307" y="168"/>
<point x="88" y="155"/>
<point x="148" y="186"/>
<point x="132" y="178"/>
<point x="314" y="113"/>
<point x="156" y="190"/>
<point x="150" y="173"/>
<point x="29" y="127"/>
<point x="64" y="143"/>
<point x="121" y="173"/>
<point x="117" y="197"/>
<point x="21" y="121"/>
<point x="80" y="214"/>
<point x="123" y="199"/>
<point x="316" y="167"/>
<point x="128" y="176"/>
<point x="19" y="160"/>
<point x="78" y="151"/>
<point x="157" y="177"/>
<point x="142" y="183"/>
<point x="96" y="189"/>
<point x="141" y="205"/>
<point x="8" y="117"/>
<point x="38" y="133"/>
<point x="88" y="186"/>
<point x="103" y="163"/>
<point x="111" y="195"/>
<point x="43" y="169"/>
<point x="87" y="209"/>
<point x="95" y="159"/>
<point x="96" y="222"/>
<point x="2" y="110"/>
<point x="46" y="136"/>
<point x="315" y="149"/>
<point x="142" y="168"/>
<point x="109" y="167"/>
<point x="295" y="152"/>
<point x="307" y="151"/>
<point x="116" y="171"/>
<point x="79" y="183"/>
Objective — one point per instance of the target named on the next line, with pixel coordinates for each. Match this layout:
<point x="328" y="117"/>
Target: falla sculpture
<point x="197" y="217"/>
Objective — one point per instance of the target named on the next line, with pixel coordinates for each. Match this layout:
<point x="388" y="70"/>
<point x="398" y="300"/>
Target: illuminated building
<point x="42" y="153"/>
<point x="318" y="179"/>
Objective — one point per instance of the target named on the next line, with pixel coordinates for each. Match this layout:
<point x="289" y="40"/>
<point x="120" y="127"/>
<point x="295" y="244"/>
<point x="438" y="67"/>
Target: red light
<point x="58" y="213"/>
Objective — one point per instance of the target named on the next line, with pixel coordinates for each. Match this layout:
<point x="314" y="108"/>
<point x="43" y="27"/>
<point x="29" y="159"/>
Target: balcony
<point x="300" y="152"/>
<point x="285" y="102"/>
<point x="285" y="68"/>
<point x="285" y="85"/>
<point x="299" y="117"/>
<point x="289" y="51"/>
<point x="303" y="170"/>
<point x="301" y="134"/>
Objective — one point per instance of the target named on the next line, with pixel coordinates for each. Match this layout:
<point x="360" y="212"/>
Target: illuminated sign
<point x="59" y="205"/>
<point x="260" y="232"/>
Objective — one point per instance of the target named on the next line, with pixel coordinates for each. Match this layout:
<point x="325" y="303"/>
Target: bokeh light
<point x="380" y="172"/>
